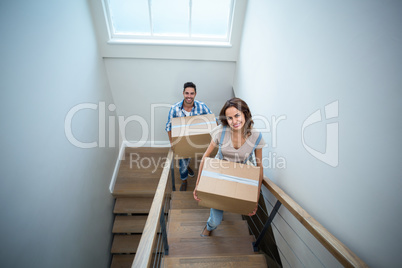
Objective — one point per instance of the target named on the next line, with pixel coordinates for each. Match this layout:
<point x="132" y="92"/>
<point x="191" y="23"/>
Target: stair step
<point x="177" y="195"/>
<point x="190" y="187"/>
<point x="139" y="175"/>
<point x="210" y="246"/>
<point x="238" y="261"/>
<point x="122" y="261"/>
<point x="129" y="224"/>
<point x="182" y="215"/>
<point x="147" y="150"/>
<point x="190" y="180"/>
<point x="125" y="243"/>
<point x="184" y="200"/>
<point x="139" y="171"/>
<point x="138" y="160"/>
<point x="133" y="205"/>
<point x="194" y="229"/>
<point x="126" y="260"/>
<point x="184" y="204"/>
<point x="134" y="188"/>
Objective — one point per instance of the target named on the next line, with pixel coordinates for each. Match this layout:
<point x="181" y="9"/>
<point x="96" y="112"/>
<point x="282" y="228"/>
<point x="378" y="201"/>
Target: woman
<point x="237" y="140"/>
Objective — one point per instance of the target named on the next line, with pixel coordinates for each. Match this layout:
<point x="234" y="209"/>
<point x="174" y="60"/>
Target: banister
<point x="343" y="254"/>
<point x="145" y="247"/>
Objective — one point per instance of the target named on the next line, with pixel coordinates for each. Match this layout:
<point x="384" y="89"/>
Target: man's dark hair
<point x="190" y="84"/>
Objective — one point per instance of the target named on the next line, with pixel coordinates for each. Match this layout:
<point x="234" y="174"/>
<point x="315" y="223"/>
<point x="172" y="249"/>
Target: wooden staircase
<point x="136" y="182"/>
<point x="230" y="245"/>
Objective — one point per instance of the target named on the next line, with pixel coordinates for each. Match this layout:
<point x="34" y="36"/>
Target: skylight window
<point x="192" y="22"/>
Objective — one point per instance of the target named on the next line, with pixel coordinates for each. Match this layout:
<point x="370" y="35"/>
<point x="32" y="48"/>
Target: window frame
<point x="159" y="39"/>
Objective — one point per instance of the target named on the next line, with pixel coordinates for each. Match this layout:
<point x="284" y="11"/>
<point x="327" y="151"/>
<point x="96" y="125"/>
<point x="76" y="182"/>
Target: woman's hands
<point x="195" y="194"/>
<point x="254" y="211"/>
<point x="207" y="153"/>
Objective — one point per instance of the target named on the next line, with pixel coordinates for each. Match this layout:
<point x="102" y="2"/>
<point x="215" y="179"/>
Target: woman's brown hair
<point x="242" y="106"/>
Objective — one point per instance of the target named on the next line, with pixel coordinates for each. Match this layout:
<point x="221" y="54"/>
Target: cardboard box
<point x="191" y="134"/>
<point x="228" y="186"/>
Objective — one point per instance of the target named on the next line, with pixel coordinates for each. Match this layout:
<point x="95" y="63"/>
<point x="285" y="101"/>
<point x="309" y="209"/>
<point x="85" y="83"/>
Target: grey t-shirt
<point x="228" y="151"/>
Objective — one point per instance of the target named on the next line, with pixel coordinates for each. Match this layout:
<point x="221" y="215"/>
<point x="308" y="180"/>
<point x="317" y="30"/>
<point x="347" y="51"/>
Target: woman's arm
<point x="258" y="159"/>
<point x="207" y="153"/>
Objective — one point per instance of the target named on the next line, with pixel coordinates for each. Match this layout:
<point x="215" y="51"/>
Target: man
<point x="187" y="107"/>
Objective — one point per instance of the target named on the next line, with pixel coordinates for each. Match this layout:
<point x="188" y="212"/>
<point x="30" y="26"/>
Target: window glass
<point x="130" y="16"/>
<point x="210" y="17"/>
<point x="170" y="17"/>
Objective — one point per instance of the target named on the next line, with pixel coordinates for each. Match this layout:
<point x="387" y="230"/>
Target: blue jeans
<point x="183" y="165"/>
<point x="215" y="218"/>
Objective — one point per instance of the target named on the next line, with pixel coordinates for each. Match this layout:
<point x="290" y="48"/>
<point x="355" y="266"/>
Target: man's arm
<point x="170" y="138"/>
<point x="169" y="125"/>
<point x="207" y="110"/>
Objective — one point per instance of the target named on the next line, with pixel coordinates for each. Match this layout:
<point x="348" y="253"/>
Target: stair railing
<point x="146" y="248"/>
<point x="336" y="248"/>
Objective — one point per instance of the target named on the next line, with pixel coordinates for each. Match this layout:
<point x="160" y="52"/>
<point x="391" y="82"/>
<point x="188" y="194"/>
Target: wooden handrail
<point x="145" y="247"/>
<point x="343" y="254"/>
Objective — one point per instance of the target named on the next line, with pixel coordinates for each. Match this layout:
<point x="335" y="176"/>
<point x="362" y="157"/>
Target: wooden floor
<point x="138" y="176"/>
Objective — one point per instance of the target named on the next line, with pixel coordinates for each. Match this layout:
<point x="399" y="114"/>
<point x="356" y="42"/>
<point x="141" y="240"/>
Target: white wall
<point x="144" y="90"/>
<point x="298" y="57"/>
<point x="55" y="209"/>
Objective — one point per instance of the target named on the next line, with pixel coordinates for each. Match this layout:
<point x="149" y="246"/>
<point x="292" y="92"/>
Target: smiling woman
<point x="196" y="22"/>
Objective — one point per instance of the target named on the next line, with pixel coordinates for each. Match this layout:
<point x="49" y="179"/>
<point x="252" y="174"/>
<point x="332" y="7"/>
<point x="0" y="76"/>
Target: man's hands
<point x="171" y="140"/>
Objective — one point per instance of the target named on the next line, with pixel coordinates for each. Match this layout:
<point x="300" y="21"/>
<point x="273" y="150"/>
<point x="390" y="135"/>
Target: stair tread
<point x="126" y="260"/>
<point x="132" y="205"/>
<point x="193" y="229"/>
<point x="149" y="150"/>
<point x="125" y="243"/>
<point x="142" y="174"/>
<point x="238" y="261"/>
<point x="133" y="193"/>
<point x="202" y="214"/>
<point x="184" y="200"/>
<point x="210" y="246"/>
<point x="187" y="195"/>
<point x="122" y="261"/>
<point x="129" y="224"/>
<point x="139" y="176"/>
<point x="190" y="180"/>
<point x="190" y="187"/>
<point x="185" y="204"/>
<point x="143" y="158"/>
<point x="134" y="189"/>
